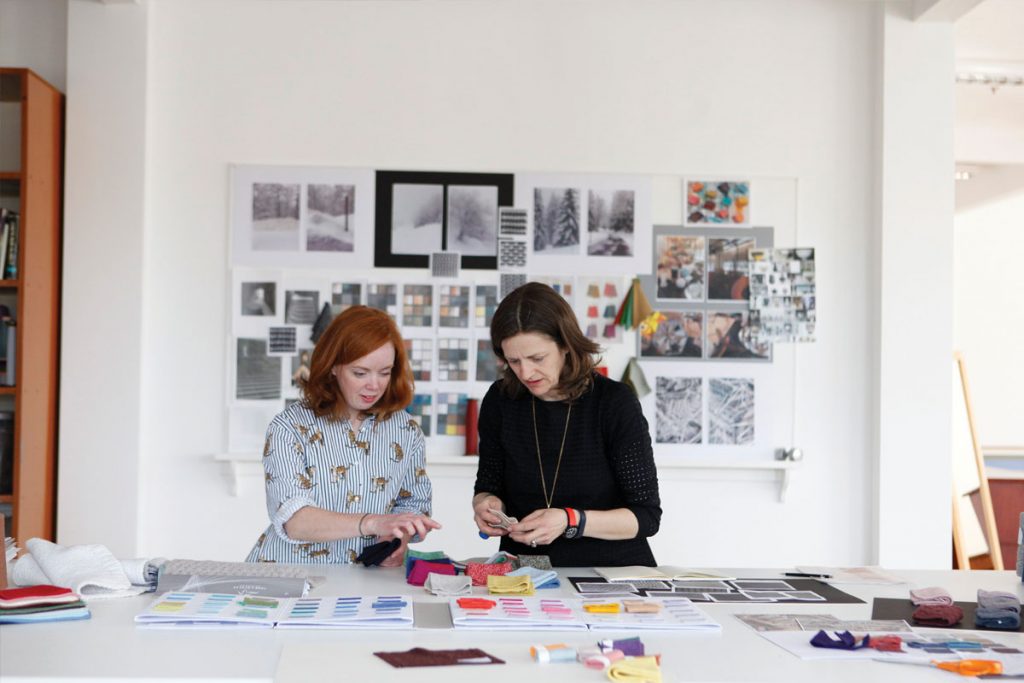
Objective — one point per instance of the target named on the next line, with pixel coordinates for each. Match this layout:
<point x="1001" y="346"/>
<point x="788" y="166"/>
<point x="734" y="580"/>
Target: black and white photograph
<point x="679" y="335"/>
<point x="730" y="411"/>
<point x="330" y="217"/>
<point x="610" y="222"/>
<point x="423" y="212"/>
<point x="472" y="226"/>
<point x="782" y="295"/>
<point x="259" y="298"/>
<point x="275" y="216"/>
<point x="729" y="336"/>
<point x="681" y="267"/>
<point x="556" y="220"/>
<point x="282" y="341"/>
<point x="417" y="213"/>
<point x="301" y="307"/>
<point x="257" y="375"/>
<point x="680" y="410"/>
<point x="729" y="268"/>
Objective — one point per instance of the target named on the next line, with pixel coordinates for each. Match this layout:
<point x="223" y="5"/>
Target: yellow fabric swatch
<point x="635" y="670"/>
<point x="509" y="585"/>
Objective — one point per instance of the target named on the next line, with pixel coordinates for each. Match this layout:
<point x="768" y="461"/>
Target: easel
<point x="969" y="541"/>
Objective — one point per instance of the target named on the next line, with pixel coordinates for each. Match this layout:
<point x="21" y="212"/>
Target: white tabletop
<point x="111" y="646"/>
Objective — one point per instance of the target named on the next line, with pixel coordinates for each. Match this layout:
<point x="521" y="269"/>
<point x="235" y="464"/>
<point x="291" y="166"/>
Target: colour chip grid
<point x="383" y="297"/>
<point x="420" y="409"/>
<point x="454" y="306"/>
<point x="451" y="414"/>
<point x="421" y="358"/>
<point x="345" y="295"/>
<point x="486" y="361"/>
<point x="418" y="305"/>
<point x="452" y="360"/>
<point x="486" y="304"/>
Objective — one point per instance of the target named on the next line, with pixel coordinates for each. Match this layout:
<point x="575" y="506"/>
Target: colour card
<point x="453" y="306"/>
<point x="420" y="353"/>
<point x="451" y="414"/>
<point x="452" y="360"/>
<point x="420" y="409"/>
<point x="486" y="304"/>
<point x="418" y="305"/>
<point x="486" y="362"/>
<point x="345" y="295"/>
<point x="383" y="297"/>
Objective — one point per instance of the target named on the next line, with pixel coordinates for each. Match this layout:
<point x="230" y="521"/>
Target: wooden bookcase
<point x="31" y="173"/>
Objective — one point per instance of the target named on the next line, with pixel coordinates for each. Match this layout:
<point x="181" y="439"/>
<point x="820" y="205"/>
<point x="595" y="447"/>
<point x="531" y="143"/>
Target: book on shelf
<point x="9" y="244"/>
<point x="665" y="573"/>
<point x="9" y="331"/>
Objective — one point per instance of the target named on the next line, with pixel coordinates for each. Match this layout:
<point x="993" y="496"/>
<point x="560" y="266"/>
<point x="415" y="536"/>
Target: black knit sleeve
<point x="628" y="440"/>
<point x="490" y="476"/>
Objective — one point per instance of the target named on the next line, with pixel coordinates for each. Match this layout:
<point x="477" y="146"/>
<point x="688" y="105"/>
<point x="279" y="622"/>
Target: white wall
<point x="989" y="289"/>
<point x="786" y="89"/>
<point x="33" y="34"/>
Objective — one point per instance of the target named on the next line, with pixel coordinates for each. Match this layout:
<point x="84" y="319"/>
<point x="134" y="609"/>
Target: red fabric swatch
<point x="36" y="595"/>
<point x="479" y="572"/>
<point x="420" y="569"/>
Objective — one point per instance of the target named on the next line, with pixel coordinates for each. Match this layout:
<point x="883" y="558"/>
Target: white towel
<point x="92" y="571"/>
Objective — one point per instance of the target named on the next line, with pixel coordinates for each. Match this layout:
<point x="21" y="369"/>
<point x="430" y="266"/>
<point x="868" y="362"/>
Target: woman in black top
<point x="562" y="448"/>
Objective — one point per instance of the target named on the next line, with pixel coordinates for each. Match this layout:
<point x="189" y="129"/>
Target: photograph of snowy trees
<point x="275" y="217"/>
<point x="330" y="217"/>
<point x="610" y="220"/>
<point x="556" y="220"/>
<point x="680" y="410"/>
<point x="422" y="212"/>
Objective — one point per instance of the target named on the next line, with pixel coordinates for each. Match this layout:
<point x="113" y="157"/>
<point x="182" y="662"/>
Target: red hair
<point x="355" y="333"/>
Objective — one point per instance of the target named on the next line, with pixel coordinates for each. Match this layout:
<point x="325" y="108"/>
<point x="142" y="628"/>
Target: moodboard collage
<point x="475" y="236"/>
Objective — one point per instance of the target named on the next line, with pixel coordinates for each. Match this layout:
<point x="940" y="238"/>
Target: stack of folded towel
<point x="91" y="570"/>
<point x="41" y="603"/>
<point x="935" y="607"/>
<point x="997" y="610"/>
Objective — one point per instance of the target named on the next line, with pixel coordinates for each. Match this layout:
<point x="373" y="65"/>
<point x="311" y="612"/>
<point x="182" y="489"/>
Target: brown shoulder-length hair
<point x="538" y="308"/>
<point x="353" y="334"/>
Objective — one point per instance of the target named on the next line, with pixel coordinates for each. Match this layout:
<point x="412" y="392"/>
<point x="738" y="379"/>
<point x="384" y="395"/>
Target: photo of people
<point x="259" y="298"/>
<point x="681" y="267"/>
<point x="729" y="336"/>
<point x="729" y="268"/>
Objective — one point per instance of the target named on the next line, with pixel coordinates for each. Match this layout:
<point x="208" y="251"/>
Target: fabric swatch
<point x="421" y="656"/>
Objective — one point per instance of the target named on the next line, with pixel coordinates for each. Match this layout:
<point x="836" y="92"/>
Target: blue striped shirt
<point x="320" y="462"/>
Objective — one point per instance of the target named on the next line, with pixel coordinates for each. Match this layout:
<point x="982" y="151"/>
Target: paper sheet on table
<point x="867" y="576"/>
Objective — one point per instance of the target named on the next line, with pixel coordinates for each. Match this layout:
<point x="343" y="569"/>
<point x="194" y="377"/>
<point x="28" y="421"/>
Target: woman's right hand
<point x="404" y="525"/>
<point x="484" y="517"/>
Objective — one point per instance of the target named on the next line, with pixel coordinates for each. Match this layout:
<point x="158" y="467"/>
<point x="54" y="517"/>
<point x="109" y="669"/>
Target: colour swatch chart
<point x="640" y="614"/>
<point x="517" y="614"/>
<point x="226" y="610"/>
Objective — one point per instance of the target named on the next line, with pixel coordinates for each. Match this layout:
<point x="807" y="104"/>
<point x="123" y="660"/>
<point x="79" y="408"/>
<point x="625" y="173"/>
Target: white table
<point x="110" y="646"/>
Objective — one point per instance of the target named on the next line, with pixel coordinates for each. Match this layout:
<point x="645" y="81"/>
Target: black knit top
<point x="607" y="463"/>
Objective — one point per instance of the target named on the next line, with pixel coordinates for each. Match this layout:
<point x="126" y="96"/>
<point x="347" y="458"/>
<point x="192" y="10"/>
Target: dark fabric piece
<point x="998" y="619"/>
<point x="536" y="561"/>
<point x="421" y="656"/>
<point x="608" y="463"/>
<point x="842" y="641"/>
<point x="373" y="555"/>
<point x="998" y="600"/>
<point x="938" y="615"/>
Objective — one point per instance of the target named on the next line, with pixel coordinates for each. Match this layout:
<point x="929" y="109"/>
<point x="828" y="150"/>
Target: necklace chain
<point x="561" y="450"/>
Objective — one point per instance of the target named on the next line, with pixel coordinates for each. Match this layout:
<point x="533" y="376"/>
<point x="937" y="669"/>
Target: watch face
<point x="572" y="531"/>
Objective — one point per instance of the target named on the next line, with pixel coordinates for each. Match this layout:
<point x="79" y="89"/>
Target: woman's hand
<point x="395" y="559"/>
<point x="403" y="526"/>
<point x="482" y="515"/>
<point x="540" y="527"/>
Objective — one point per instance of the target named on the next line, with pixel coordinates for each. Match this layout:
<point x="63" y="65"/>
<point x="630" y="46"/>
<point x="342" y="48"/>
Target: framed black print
<point x="422" y="212"/>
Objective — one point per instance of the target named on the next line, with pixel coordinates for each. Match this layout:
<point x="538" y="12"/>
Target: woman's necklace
<point x="561" y="450"/>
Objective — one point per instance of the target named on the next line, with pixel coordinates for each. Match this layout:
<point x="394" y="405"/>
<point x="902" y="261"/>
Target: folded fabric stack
<point x="422" y="569"/>
<point x="935" y="607"/>
<point x="997" y="610"/>
<point x="90" y="570"/>
<point x="448" y="586"/>
<point x="509" y="585"/>
<point x="32" y="604"/>
<point x="541" y="578"/>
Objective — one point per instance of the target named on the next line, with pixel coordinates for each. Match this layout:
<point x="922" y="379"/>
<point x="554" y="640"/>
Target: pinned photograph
<point x="680" y="410"/>
<point x="717" y="202"/>
<point x="679" y="334"/>
<point x="681" y="267"/>
<point x="473" y="219"/>
<point x="556" y="220"/>
<point x="301" y="307"/>
<point x="512" y="221"/>
<point x="259" y="298"/>
<point x="610" y="222"/>
<point x="282" y="341"/>
<point x="417" y="212"/>
<point x="445" y="263"/>
<point x="257" y="375"/>
<point x="782" y="295"/>
<point x="275" y="216"/>
<point x="300" y="367"/>
<point x="729" y="268"/>
<point x="731" y="412"/>
<point x="330" y="217"/>
<point x="729" y="336"/>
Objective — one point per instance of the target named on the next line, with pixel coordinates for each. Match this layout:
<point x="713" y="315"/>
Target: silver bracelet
<point x="359" y="527"/>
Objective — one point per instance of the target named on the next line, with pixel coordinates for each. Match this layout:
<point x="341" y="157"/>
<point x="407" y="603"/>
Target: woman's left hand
<point x="394" y="559"/>
<point x="540" y="527"/>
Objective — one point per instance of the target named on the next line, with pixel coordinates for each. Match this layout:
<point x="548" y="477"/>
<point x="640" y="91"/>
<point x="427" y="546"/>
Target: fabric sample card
<point x="511" y="254"/>
<point x="445" y="263"/>
<point x="511" y="222"/>
<point x="282" y="341"/>
<point x="510" y="282"/>
<point x="420" y="656"/>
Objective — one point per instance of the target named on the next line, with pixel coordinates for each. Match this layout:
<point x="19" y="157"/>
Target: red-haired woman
<point x="345" y="465"/>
